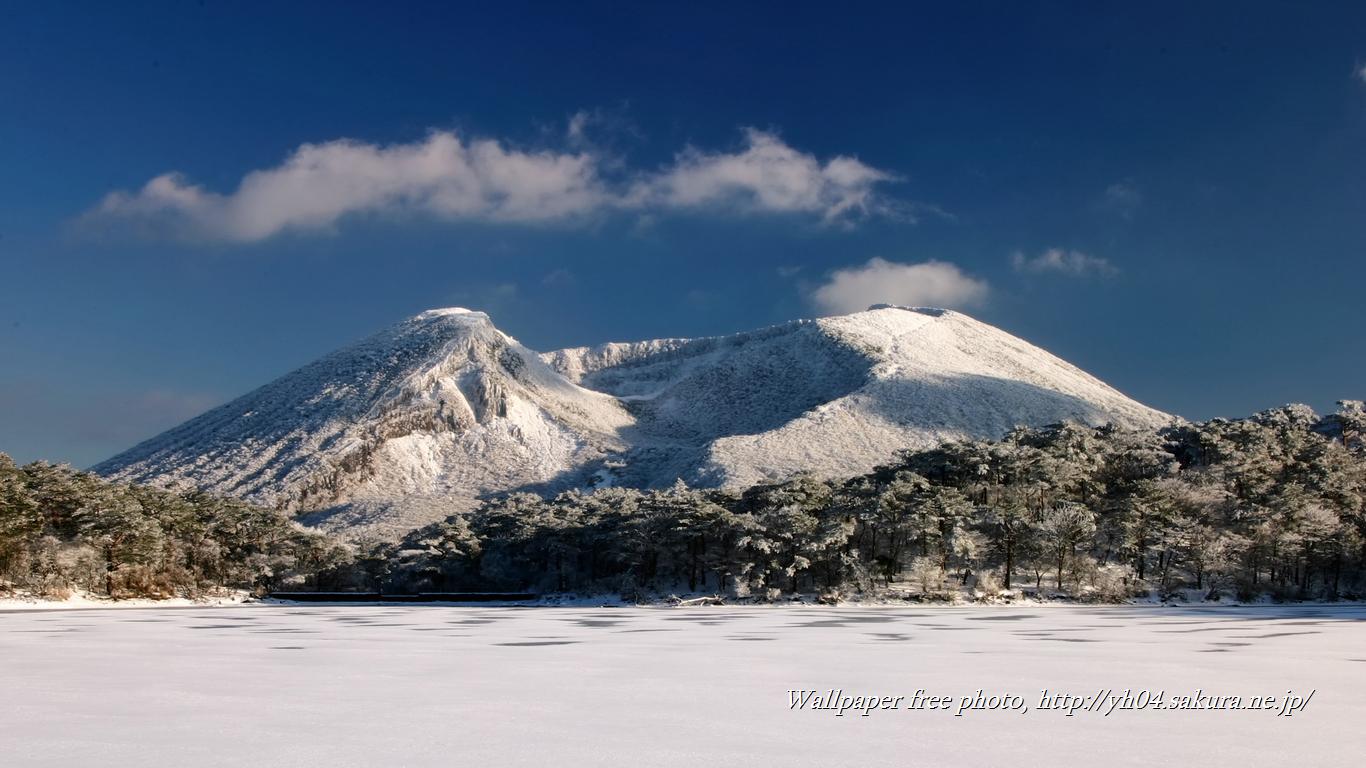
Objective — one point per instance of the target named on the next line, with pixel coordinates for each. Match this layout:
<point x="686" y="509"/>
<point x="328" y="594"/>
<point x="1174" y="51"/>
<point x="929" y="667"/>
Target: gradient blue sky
<point x="1198" y="169"/>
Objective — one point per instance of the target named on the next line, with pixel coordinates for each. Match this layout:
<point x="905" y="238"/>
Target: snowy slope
<point x="424" y="418"/>
<point x="430" y="414"/>
<point x="836" y="395"/>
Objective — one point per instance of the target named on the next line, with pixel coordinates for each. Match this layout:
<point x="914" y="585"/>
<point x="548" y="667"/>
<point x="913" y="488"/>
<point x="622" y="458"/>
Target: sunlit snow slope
<point x="402" y="428"/>
<point x="426" y="417"/>
<point x="835" y="395"/>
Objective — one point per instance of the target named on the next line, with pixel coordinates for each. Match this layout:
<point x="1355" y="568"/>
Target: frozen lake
<point x="485" y="686"/>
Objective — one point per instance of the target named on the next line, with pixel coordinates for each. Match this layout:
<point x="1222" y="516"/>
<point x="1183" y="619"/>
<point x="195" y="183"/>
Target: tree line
<point x="1268" y="505"/>
<point x="1274" y="504"/>
<point x="63" y="531"/>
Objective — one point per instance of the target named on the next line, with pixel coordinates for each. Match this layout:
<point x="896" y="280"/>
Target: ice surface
<point x="459" y="686"/>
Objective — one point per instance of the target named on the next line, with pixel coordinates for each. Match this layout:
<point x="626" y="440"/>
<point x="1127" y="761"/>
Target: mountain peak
<point x="456" y="312"/>
<point x="430" y="415"/>
<point x="931" y="311"/>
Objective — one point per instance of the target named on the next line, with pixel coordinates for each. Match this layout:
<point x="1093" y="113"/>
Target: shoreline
<point x="241" y="600"/>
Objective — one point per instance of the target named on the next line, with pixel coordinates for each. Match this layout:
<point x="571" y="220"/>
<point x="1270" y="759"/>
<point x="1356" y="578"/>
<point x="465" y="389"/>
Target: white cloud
<point x="320" y="183"/>
<point x="577" y="130"/>
<point x="767" y="175"/>
<point x="1361" y="73"/>
<point x="1062" y="261"/>
<point x="932" y="283"/>
<point x="448" y="178"/>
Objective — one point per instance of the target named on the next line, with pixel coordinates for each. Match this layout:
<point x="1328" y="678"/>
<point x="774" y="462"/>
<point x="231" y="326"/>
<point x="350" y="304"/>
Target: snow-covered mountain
<point x="407" y="425"/>
<point x="426" y="417"/>
<point x="836" y="395"/>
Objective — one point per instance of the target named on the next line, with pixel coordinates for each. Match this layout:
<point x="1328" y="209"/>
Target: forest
<point x="64" y="531"/>
<point x="1272" y="505"/>
<point x="1269" y="506"/>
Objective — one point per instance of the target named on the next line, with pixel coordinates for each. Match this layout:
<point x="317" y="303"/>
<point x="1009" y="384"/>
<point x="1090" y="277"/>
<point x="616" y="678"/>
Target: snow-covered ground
<point x="87" y="600"/>
<point x="478" y="686"/>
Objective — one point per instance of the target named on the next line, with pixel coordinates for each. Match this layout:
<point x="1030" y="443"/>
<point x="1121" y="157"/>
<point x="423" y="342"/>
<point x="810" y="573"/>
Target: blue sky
<point x="1171" y="197"/>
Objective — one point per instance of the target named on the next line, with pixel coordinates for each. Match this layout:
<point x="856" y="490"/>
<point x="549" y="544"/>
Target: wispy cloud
<point x="931" y="283"/>
<point x="1361" y="72"/>
<point x="495" y="298"/>
<point x="559" y="277"/>
<point x="1062" y="261"/>
<point x="450" y="178"/>
<point x="1123" y="198"/>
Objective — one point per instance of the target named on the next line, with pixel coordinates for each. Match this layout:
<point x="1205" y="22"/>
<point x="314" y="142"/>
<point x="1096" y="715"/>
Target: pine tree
<point x="21" y="522"/>
<point x="1061" y="529"/>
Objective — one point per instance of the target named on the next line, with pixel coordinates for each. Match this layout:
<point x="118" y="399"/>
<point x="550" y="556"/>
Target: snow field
<point x="442" y="686"/>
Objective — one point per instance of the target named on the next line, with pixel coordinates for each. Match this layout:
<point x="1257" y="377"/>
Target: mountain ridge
<point x="432" y="414"/>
